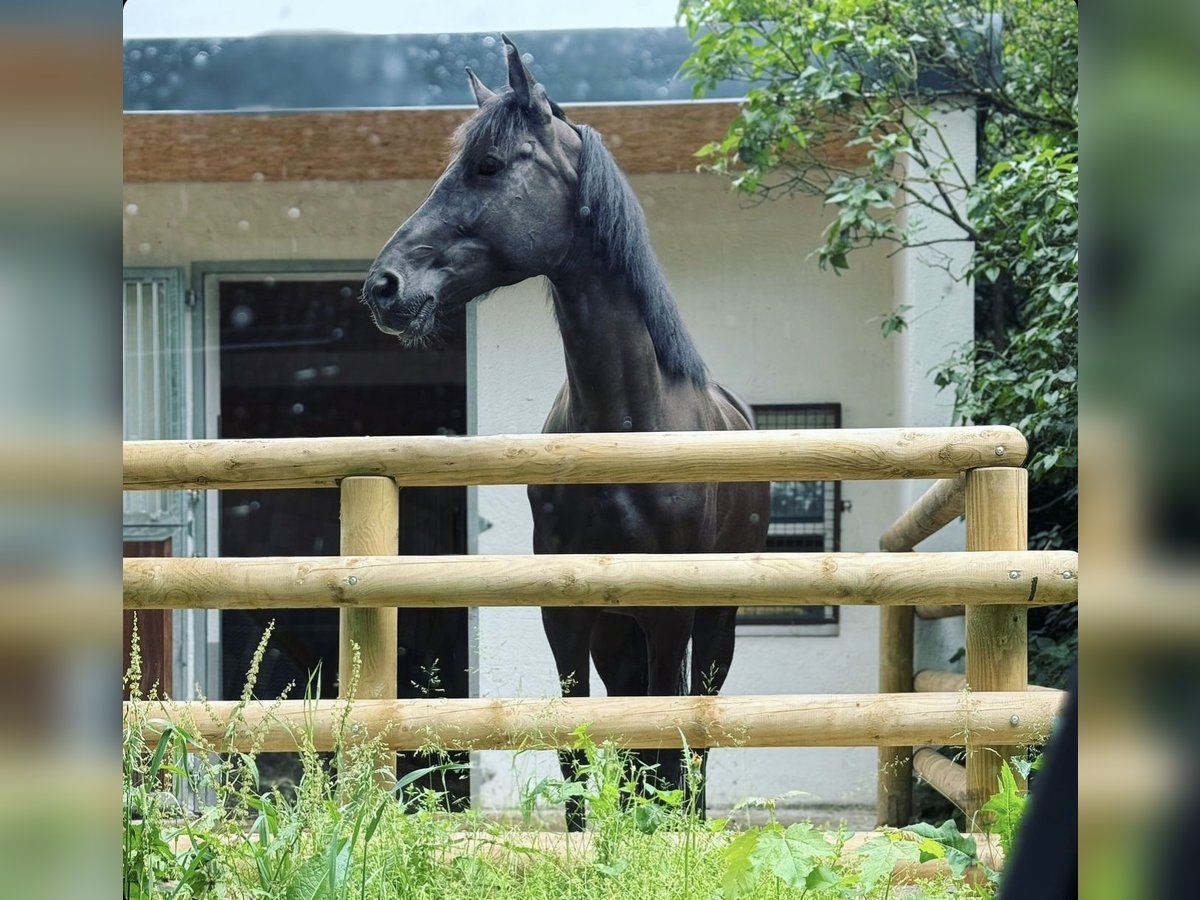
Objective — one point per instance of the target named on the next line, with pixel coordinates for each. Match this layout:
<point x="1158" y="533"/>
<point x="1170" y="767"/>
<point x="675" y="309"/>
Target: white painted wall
<point x="771" y="327"/>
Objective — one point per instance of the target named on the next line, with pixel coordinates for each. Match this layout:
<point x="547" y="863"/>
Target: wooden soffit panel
<point x="371" y="145"/>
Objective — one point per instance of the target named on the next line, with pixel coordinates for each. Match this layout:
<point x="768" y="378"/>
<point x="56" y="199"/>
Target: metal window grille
<point x="805" y="515"/>
<point x="154" y="406"/>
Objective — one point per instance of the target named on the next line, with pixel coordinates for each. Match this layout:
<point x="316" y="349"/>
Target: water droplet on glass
<point x="443" y="39"/>
<point x="345" y="292"/>
<point x="152" y="51"/>
<point x="585" y="211"/>
<point x="131" y="209"/>
<point x="297" y="408"/>
<point x="754" y="517"/>
<point x="489" y="42"/>
<point x="257" y="176"/>
<point x="241" y="316"/>
<point x="144" y="247"/>
<point x="135" y="55"/>
<point x="243" y="225"/>
<point x="146" y="78"/>
<point x="336" y="333"/>
<point x="661" y="91"/>
<point x="200" y="59"/>
<point x="627" y="423"/>
<point x="547" y="507"/>
<point x="293" y="213"/>
<point x="527" y="58"/>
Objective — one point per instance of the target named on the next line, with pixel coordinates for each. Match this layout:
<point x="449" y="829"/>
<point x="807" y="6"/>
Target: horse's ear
<point x="482" y="91"/>
<point x="530" y="94"/>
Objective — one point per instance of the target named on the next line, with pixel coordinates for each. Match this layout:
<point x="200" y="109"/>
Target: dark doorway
<point x="304" y="359"/>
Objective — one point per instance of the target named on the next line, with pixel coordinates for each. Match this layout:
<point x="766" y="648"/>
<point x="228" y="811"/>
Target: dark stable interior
<point x="304" y="359"/>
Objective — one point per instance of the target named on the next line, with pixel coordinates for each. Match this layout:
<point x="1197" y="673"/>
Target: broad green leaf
<point x="741" y="872"/>
<point x="961" y="851"/>
<point x="1006" y="805"/>
<point x="613" y="871"/>
<point x="311" y="881"/>
<point x="647" y="817"/>
<point x="792" y="854"/>
<point x="821" y="878"/>
<point x="878" y="857"/>
<point x="930" y="849"/>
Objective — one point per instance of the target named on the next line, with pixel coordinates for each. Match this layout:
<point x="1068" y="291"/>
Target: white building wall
<point x="771" y="327"/>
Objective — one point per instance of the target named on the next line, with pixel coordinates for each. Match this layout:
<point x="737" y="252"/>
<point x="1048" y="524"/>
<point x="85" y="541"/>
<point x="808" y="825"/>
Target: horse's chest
<point x="617" y="518"/>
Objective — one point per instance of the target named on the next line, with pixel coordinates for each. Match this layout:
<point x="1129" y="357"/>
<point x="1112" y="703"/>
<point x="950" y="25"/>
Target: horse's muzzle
<point x="383" y="287"/>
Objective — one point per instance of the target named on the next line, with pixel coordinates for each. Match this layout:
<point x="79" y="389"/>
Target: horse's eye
<point x="490" y="165"/>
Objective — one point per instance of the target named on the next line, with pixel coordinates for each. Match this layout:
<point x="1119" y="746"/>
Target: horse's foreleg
<point x="667" y="636"/>
<point x="619" y="652"/>
<point x="712" y="655"/>
<point x="712" y="649"/>
<point x="569" y="632"/>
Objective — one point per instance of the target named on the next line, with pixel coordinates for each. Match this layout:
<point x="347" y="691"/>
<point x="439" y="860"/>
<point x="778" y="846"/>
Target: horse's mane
<point x="616" y="222"/>
<point x="621" y="238"/>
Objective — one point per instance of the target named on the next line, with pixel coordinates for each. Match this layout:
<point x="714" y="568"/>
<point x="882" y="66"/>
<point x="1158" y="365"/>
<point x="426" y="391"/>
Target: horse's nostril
<point x="385" y="286"/>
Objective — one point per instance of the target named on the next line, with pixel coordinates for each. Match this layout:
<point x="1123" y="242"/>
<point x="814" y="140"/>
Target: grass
<point x="340" y="834"/>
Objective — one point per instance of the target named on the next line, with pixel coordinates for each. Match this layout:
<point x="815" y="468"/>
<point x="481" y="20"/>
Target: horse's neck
<point x="614" y="380"/>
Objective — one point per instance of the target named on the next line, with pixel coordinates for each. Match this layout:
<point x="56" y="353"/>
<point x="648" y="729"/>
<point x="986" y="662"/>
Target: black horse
<point x="528" y="192"/>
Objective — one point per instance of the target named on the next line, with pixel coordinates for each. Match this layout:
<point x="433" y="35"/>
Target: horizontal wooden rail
<point x="828" y="720"/>
<point x="1035" y="578"/>
<point x="931" y="681"/>
<point x="944" y="775"/>
<point x="944" y="502"/>
<point x="711" y="456"/>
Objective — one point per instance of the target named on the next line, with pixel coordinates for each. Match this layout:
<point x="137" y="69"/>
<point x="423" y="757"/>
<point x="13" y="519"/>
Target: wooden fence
<point x="996" y="581"/>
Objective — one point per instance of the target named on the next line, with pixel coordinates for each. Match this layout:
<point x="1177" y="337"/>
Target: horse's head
<point x="503" y="211"/>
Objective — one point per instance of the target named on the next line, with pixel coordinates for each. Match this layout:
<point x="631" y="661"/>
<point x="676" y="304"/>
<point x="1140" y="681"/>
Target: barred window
<point x="805" y="515"/>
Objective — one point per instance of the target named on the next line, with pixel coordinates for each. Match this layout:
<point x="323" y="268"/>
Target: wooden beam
<point x="523" y="848"/>
<point x="384" y="144"/>
<point x="894" y="781"/>
<point x="928" y="680"/>
<point x="706" y="456"/>
<point x="829" y="720"/>
<point x="370" y="524"/>
<point x="935" y="509"/>
<point x="944" y="775"/>
<point x="713" y="579"/>
<point x="997" y="643"/>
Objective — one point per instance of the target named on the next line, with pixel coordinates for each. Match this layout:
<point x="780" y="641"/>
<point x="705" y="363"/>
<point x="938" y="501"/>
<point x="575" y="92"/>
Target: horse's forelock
<point x="500" y="122"/>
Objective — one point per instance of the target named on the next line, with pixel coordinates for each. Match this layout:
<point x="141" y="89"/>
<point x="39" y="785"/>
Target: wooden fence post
<point x="997" y="511"/>
<point x="370" y="517"/>
<point x="894" y="786"/>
